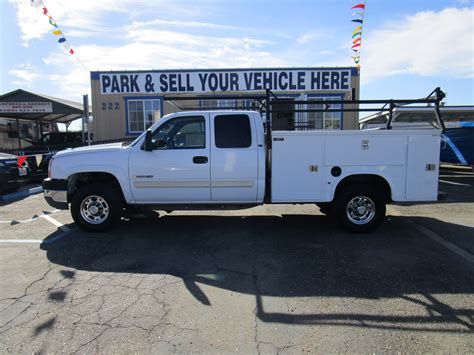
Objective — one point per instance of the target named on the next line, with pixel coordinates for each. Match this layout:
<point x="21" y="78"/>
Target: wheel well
<point x="75" y="181"/>
<point x="379" y="182"/>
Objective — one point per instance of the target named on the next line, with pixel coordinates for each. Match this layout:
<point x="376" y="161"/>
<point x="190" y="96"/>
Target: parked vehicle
<point x="55" y="141"/>
<point x="222" y="159"/>
<point x="12" y="176"/>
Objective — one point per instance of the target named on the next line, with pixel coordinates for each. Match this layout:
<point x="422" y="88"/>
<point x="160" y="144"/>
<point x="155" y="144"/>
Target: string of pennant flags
<point x="358" y="12"/>
<point x="39" y="4"/>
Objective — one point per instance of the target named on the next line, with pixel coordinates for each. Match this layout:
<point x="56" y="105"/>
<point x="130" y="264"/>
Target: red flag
<point x="356" y="45"/>
<point x="21" y="160"/>
<point x="358" y="6"/>
<point x="71" y="51"/>
<point x="45" y="11"/>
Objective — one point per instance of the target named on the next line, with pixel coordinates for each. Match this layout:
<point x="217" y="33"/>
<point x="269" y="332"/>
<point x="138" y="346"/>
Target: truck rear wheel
<point x="96" y="207"/>
<point x="360" y="208"/>
<point x="325" y="208"/>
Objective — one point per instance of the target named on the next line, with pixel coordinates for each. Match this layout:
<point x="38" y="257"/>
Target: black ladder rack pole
<point x="268" y="115"/>
<point x="390" y="115"/>
<point x="440" y="95"/>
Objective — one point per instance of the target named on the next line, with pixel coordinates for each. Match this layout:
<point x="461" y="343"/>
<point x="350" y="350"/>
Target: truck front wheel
<point x="96" y="207"/>
<point x="360" y="208"/>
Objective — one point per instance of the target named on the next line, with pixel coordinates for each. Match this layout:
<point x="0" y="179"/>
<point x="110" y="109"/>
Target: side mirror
<point x="148" y="145"/>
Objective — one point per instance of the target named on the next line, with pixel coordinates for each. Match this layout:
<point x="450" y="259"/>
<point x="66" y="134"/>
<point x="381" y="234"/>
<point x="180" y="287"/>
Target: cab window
<point x="232" y="131"/>
<point x="181" y="133"/>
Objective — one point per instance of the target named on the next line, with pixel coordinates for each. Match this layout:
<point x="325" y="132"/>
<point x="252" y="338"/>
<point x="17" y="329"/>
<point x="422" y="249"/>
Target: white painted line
<point x="20" y="241"/>
<point x="40" y="241"/>
<point x="437" y="238"/>
<point x="56" y="223"/>
<point x="453" y="183"/>
<point x="453" y="247"/>
<point x="14" y="221"/>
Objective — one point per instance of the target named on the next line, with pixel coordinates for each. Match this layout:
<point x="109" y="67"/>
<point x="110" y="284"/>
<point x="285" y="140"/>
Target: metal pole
<point x="267" y="117"/>
<point x="18" y="133"/>
<point x="86" y="115"/>
<point x="390" y="115"/>
<point x="84" y="105"/>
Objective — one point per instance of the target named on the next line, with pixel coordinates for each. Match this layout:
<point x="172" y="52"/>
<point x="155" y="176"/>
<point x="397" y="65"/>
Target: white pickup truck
<point x="219" y="159"/>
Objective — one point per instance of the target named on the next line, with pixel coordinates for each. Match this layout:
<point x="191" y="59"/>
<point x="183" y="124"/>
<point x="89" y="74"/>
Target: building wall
<point x="110" y="110"/>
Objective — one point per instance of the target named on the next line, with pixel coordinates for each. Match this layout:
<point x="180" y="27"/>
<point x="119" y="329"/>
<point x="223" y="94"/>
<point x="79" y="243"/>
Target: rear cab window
<point x="232" y="131"/>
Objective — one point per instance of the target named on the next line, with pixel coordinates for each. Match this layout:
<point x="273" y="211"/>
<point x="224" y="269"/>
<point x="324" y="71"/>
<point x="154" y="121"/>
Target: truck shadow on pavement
<point x="290" y="256"/>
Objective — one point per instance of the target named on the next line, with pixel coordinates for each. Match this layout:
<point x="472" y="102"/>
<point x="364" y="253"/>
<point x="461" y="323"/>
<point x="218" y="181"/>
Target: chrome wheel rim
<point x="94" y="209"/>
<point x="360" y="210"/>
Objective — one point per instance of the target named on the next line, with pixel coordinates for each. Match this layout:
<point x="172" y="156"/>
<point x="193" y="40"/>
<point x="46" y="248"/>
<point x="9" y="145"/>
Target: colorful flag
<point x="56" y="31"/>
<point x="358" y="18"/>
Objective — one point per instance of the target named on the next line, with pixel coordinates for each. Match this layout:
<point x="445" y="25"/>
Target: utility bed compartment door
<point x="365" y="150"/>
<point x="423" y="167"/>
<point x="297" y="168"/>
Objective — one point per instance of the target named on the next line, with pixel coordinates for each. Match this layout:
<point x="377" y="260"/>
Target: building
<point x="127" y="102"/>
<point x="25" y="117"/>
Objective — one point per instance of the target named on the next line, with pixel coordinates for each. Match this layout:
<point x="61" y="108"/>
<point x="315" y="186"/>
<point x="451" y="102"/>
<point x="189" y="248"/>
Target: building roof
<point x="62" y="110"/>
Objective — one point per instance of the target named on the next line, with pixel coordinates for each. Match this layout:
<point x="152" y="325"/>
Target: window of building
<point x="232" y="131"/>
<point x="324" y="120"/>
<point x="142" y="114"/>
<point x="181" y="133"/>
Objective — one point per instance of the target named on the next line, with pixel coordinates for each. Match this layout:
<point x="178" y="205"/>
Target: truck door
<point x="234" y="163"/>
<point x="177" y="170"/>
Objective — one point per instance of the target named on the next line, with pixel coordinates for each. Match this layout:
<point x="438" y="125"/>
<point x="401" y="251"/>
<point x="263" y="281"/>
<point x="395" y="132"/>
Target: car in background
<point x="55" y="141"/>
<point x="12" y="176"/>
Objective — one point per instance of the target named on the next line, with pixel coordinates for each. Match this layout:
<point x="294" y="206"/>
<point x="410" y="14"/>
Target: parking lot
<point x="270" y="279"/>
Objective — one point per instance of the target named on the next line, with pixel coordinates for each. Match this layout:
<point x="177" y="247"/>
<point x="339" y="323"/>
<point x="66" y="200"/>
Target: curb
<point x="14" y="196"/>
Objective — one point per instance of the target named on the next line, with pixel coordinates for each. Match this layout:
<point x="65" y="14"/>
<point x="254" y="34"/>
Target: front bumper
<point x="55" y="193"/>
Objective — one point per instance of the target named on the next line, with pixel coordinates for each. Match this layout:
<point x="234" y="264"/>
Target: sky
<point x="409" y="47"/>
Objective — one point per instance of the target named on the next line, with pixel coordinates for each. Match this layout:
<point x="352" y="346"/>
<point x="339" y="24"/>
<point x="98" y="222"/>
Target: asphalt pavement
<point x="273" y="279"/>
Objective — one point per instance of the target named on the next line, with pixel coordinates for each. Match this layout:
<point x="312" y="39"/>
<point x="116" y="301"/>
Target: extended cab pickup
<point x="221" y="159"/>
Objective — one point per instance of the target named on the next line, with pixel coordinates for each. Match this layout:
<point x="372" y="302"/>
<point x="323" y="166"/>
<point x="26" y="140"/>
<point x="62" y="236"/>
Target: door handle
<point x="200" y="160"/>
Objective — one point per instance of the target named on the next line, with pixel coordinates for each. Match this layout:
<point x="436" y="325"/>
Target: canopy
<point x="30" y="106"/>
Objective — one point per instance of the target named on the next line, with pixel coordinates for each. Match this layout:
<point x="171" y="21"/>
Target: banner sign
<point x="226" y="81"/>
<point x="26" y="107"/>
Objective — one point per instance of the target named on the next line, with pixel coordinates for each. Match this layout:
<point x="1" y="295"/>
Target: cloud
<point x="27" y="74"/>
<point x="147" y="49"/>
<point x="84" y="17"/>
<point x="181" y="24"/>
<point x="308" y="37"/>
<point x="426" y="44"/>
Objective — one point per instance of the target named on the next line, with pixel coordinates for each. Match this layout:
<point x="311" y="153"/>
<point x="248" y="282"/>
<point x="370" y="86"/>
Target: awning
<point x="30" y="106"/>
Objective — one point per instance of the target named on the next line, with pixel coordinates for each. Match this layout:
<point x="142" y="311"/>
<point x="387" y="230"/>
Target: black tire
<point x="325" y="208"/>
<point x="369" y="217"/>
<point x="108" y="201"/>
